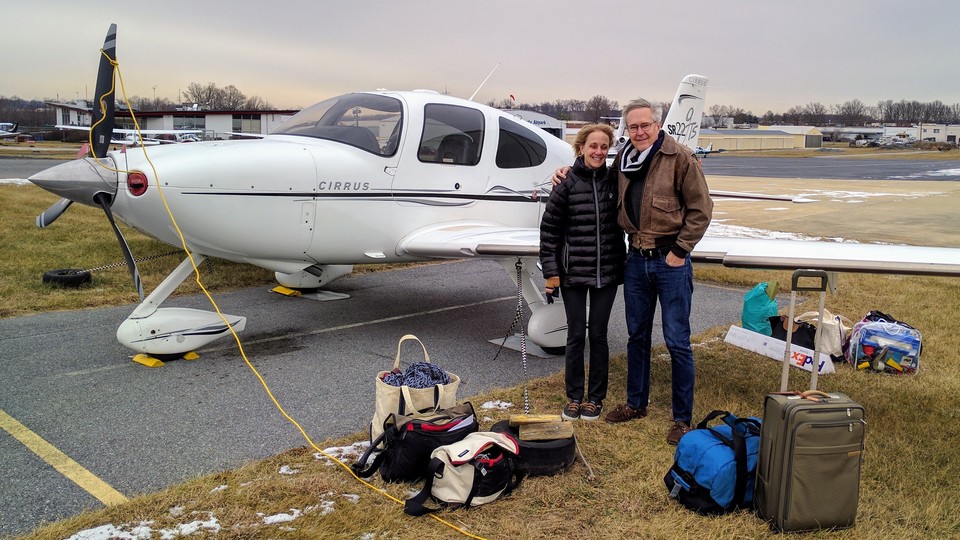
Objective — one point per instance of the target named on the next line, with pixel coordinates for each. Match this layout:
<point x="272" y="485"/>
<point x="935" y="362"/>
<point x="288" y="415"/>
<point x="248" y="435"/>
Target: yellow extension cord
<point x="183" y="244"/>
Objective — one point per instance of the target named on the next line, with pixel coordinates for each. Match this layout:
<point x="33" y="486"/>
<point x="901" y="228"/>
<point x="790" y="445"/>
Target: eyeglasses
<point x="644" y="126"/>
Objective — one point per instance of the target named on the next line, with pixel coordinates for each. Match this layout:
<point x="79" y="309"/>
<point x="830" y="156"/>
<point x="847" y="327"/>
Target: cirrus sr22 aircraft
<point x="375" y="177"/>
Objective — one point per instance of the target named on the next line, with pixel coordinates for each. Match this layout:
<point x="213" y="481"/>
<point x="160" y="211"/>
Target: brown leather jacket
<point x="675" y="200"/>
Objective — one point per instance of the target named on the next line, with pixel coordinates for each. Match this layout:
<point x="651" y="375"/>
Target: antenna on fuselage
<point x="484" y="81"/>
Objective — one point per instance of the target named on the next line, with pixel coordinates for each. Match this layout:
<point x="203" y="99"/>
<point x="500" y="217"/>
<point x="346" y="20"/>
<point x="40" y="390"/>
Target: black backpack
<point x="407" y="446"/>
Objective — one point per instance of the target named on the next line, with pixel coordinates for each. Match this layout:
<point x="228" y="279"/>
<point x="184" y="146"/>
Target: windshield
<point x="367" y="121"/>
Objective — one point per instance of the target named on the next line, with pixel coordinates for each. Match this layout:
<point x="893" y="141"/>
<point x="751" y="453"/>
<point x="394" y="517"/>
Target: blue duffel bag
<point x="714" y="468"/>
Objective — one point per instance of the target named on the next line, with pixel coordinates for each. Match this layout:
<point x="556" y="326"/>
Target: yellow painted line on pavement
<point x="61" y="462"/>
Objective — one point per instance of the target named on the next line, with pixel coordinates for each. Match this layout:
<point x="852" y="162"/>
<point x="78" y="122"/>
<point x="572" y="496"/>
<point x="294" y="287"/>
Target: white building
<point x="213" y="124"/>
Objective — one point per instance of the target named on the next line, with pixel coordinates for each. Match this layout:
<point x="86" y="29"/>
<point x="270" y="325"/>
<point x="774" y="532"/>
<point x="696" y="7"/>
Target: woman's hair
<point x="585" y="132"/>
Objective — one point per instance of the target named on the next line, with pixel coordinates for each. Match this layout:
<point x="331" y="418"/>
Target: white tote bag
<point x="404" y="401"/>
<point x="835" y="331"/>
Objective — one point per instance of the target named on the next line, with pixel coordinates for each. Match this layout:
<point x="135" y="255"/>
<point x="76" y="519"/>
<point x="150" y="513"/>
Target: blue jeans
<point x="646" y="280"/>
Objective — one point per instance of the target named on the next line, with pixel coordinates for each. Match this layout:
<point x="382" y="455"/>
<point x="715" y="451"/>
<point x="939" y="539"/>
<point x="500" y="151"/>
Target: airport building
<point x="762" y="138"/>
<point x="213" y="124"/>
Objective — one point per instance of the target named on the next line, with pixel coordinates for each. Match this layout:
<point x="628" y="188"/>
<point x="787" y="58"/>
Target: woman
<point x="582" y="254"/>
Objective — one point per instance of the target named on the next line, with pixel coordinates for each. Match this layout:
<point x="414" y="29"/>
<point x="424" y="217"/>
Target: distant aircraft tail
<point x="683" y="120"/>
<point x="709" y="147"/>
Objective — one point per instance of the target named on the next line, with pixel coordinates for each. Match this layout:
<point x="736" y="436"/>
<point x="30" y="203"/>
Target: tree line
<point x="210" y="97"/>
<point x="849" y="113"/>
<point x="598" y="108"/>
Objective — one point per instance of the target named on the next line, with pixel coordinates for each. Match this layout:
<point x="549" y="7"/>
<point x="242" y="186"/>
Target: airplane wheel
<point x="555" y="351"/>
<point x="541" y="458"/>
<point x="67" y="277"/>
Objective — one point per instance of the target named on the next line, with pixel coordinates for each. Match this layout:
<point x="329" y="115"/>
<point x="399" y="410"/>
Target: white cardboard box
<point x="800" y="357"/>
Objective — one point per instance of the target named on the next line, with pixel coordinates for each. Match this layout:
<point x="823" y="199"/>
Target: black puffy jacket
<point x="580" y="240"/>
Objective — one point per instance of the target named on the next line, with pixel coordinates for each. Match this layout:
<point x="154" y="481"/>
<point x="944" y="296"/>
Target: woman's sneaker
<point x="571" y="411"/>
<point x="591" y="410"/>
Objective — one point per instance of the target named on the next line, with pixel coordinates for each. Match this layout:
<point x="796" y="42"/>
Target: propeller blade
<point x="51" y="214"/>
<point x="103" y="108"/>
<point x="104" y="201"/>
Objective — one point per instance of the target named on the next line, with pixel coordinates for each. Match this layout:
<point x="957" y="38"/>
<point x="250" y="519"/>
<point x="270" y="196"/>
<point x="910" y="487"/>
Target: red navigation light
<point x="137" y="183"/>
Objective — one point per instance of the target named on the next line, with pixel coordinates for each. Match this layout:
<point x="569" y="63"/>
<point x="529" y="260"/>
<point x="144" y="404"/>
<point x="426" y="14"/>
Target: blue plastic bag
<point x="757" y="310"/>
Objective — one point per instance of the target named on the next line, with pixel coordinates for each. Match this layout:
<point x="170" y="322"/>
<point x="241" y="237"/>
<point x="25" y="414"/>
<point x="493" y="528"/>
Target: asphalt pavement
<point x="68" y="380"/>
<point x="139" y="430"/>
<point x="832" y="166"/>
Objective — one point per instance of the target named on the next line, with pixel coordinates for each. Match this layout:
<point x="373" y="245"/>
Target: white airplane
<point x="703" y="152"/>
<point x="145" y="137"/>
<point x="9" y="130"/>
<point x="376" y="177"/>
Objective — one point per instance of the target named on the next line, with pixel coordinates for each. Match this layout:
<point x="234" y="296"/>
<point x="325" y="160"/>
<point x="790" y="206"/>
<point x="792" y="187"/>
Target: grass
<point x="39" y="149"/>
<point x="909" y="486"/>
<point x="82" y="238"/>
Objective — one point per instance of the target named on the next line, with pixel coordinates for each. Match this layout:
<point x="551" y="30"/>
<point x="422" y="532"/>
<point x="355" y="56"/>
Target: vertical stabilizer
<point x="683" y="120"/>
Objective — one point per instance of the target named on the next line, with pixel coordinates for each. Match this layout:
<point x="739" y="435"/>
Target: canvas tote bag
<point x="404" y="401"/>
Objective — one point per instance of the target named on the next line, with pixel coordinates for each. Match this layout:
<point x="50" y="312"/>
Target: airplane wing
<point x="472" y="239"/>
<point x="124" y="131"/>
<point x="487" y="240"/>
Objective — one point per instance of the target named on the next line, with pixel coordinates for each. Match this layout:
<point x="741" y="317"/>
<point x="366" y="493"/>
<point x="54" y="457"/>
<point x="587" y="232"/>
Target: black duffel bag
<point x="406" y="446"/>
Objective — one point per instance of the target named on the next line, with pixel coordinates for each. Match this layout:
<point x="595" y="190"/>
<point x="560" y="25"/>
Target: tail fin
<point x="683" y="120"/>
<point x="709" y="147"/>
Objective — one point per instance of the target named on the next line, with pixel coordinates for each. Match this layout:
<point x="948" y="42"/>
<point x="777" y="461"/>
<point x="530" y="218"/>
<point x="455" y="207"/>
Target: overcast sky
<point x="758" y="54"/>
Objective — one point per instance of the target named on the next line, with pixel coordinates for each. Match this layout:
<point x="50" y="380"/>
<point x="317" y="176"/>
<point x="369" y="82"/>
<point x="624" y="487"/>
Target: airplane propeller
<point x="101" y="132"/>
<point x="103" y="118"/>
<point x="51" y="214"/>
<point x="103" y="111"/>
<point x="104" y="201"/>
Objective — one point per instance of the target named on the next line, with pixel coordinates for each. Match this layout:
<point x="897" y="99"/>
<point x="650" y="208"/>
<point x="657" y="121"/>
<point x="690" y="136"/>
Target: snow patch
<point x="496" y="404"/>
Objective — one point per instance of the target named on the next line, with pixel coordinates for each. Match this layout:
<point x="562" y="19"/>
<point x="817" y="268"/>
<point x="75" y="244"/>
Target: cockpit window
<point x="519" y="146"/>
<point x="451" y="134"/>
<point x="370" y="122"/>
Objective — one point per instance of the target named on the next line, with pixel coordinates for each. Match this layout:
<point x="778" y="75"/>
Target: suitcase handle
<point x="797" y="274"/>
<point x="812" y="395"/>
<point x="794" y="287"/>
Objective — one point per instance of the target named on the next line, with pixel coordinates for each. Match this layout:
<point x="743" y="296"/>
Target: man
<point x="665" y="208"/>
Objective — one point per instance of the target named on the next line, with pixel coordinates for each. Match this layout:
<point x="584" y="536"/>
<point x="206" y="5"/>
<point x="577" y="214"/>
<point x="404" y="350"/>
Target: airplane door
<point x="440" y="165"/>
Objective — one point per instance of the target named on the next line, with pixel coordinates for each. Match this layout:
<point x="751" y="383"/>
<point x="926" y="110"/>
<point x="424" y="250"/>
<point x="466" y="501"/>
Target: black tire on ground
<point x="541" y="458"/>
<point x="555" y="351"/>
<point x="67" y="277"/>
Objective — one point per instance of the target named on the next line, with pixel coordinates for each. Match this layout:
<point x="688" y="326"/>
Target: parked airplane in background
<point x="374" y="177"/>
<point x="145" y="137"/>
<point x="9" y="130"/>
<point x="703" y="152"/>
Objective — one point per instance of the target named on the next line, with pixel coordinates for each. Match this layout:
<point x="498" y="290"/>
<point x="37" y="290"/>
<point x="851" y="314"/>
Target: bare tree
<point x="231" y="99"/>
<point x="202" y="95"/>
<point x="815" y="113"/>
<point x="851" y="113"/>
<point x="256" y="103"/>
<point x="717" y="113"/>
<point x="599" y="106"/>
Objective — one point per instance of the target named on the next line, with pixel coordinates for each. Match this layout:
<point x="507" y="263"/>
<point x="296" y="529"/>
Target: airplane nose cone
<point x="79" y="180"/>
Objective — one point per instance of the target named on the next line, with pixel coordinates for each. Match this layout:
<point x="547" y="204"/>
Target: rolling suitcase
<point x="811" y="448"/>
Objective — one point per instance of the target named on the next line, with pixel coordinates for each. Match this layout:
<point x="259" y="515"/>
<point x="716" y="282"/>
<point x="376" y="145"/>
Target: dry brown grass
<point x="39" y="149"/>
<point x="909" y="486"/>
<point x="82" y="238"/>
